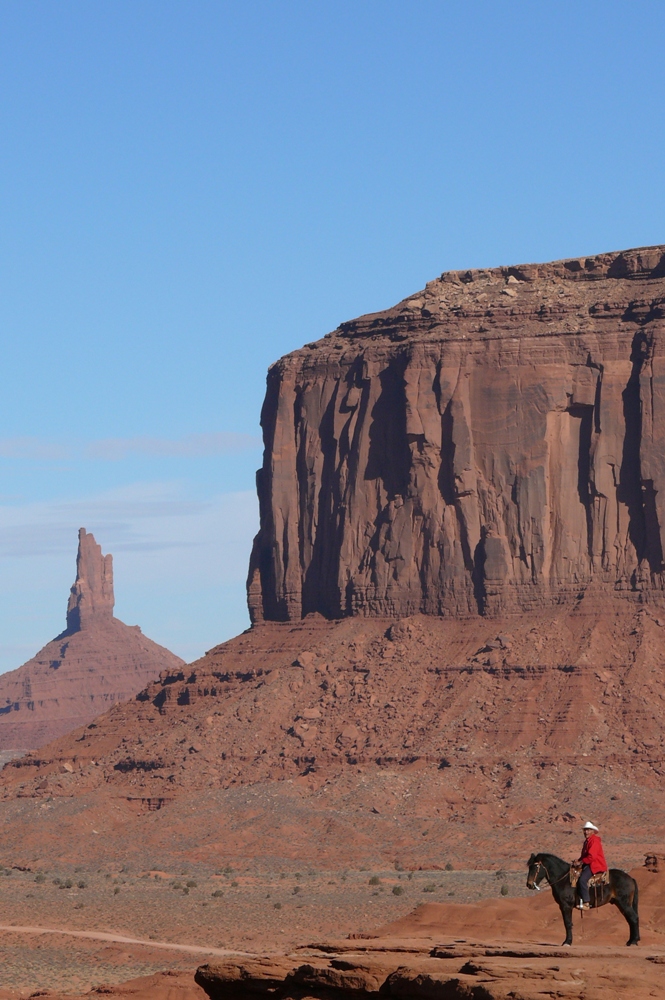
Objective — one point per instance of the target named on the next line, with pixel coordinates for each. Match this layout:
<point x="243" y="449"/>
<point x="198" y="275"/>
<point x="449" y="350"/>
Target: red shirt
<point x="592" y="854"/>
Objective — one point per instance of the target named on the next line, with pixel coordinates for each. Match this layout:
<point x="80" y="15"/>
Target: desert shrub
<point x="451" y="893"/>
<point x="185" y="891"/>
<point x="398" y="890"/>
<point x="56" y="881"/>
<point x="234" y="884"/>
<point x="375" y="880"/>
<point x="217" y="894"/>
<point x="429" y="888"/>
<point x="67" y="884"/>
<point x="410" y="876"/>
<point x="177" y="885"/>
<point x="40" y="878"/>
<point x="504" y="890"/>
<point x="81" y="885"/>
<point x="500" y="873"/>
<point x="298" y="875"/>
<point x="192" y="884"/>
<point x="78" y="906"/>
<point x="297" y="889"/>
<point x="449" y="867"/>
<point x="116" y="890"/>
<point x="278" y="906"/>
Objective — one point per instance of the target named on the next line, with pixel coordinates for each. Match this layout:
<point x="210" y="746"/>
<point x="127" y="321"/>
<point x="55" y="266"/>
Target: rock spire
<point x="91" y="598"/>
<point x="95" y="663"/>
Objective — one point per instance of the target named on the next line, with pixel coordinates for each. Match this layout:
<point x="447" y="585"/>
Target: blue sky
<point x="190" y="189"/>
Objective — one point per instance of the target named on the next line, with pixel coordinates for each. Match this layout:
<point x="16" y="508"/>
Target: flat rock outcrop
<point x="493" y="443"/>
<point x="495" y="950"/>
<point x="95" y="663"/>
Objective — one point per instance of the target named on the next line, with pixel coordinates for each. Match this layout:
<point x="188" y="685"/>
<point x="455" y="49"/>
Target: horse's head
<point x="537" y="871"/>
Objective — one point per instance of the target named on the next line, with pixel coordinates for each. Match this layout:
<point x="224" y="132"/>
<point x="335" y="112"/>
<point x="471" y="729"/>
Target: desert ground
<point x="249" y="910"/>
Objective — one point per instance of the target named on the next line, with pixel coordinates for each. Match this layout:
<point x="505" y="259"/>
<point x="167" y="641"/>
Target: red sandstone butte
<point x="95" y="663"/>
<point x="492" y="444"/>
<point x="486" y="463"/>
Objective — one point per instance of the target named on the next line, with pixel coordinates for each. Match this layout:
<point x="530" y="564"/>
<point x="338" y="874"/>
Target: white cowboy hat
<point x="590" y="826"/>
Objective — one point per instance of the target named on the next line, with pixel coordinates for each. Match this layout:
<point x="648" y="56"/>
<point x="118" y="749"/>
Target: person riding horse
<point x="593" y="861"/>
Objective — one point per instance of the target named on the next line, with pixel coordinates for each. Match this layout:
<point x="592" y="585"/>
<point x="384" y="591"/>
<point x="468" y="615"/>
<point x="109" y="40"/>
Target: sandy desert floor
<point x="249" y="910"/>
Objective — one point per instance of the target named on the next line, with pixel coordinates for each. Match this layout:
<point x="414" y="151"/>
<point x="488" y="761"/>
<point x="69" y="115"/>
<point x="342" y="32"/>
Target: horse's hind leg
<point x="567" y="914"/>
<point x="632" y="919"/>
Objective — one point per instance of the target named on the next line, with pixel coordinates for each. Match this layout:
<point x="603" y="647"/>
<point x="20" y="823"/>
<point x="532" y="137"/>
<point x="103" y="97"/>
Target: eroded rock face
<point x="493" y="443"/>
<point x="95" y="663"/>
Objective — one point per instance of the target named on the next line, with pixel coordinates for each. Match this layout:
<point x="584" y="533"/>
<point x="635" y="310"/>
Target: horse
<point x="621" y="892"/>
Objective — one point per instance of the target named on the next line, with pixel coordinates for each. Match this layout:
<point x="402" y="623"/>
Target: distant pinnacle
<point x="91" y="599"/>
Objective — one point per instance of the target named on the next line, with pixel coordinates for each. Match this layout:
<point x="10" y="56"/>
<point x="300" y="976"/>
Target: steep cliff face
<point x="95" y="663"/>
<point x="493" y="443"/>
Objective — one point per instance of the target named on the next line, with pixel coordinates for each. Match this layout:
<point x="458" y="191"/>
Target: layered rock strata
<point x="95" y="663"/>
<point x="369" y="742"/>
<point x="493" y="443"/>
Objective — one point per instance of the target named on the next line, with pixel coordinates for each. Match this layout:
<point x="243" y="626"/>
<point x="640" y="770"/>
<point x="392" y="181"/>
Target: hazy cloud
<point x="190" y="446"/>
<point x="115" y="449"/>
<point x="38" y="449"/>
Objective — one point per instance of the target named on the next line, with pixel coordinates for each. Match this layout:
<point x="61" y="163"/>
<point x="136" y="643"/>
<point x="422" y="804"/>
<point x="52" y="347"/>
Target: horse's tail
<point x="635" y="895"/>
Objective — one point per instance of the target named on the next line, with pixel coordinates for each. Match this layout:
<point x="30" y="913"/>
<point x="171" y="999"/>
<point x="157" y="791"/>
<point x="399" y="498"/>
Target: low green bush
<point x="398" y="890"/>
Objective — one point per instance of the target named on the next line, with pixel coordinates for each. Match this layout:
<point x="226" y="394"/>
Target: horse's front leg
<point x="567" y="914"/>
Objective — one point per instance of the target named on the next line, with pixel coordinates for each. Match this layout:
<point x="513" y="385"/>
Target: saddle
<point x="602" y="878"/>
<point x="595" y="882"/>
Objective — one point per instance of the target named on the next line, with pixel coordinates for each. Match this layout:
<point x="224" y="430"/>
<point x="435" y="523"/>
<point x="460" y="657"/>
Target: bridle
<point x="539" y="865"/>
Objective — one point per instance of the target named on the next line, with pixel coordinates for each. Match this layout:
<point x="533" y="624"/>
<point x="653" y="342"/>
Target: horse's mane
<point x="546" y="858"/>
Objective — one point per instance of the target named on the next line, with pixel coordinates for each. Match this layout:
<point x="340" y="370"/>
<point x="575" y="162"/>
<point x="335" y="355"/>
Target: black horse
<point x="621" y="892"/>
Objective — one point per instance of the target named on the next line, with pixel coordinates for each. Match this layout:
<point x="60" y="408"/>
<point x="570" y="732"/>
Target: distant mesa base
<point x="95" y="663"/>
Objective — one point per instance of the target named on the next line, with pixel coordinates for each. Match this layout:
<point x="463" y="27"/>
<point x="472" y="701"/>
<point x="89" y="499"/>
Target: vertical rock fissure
<point x="636" y="494"/>
<point x="584" y="488"/>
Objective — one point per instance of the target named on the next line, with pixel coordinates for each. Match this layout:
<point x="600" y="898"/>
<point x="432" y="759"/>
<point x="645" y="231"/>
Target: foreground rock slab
<point x="466" y="971"/>
<point x="496" y="950"/>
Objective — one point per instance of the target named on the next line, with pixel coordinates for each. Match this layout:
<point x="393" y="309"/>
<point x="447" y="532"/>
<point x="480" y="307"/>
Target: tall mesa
<point x="494" y="443"/>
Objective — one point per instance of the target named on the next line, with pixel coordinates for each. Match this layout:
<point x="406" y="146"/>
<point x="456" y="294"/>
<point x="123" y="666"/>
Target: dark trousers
<point x="583" y="884"/>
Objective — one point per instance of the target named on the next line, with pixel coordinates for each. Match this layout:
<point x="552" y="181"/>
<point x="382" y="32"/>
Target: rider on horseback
<point x="593" y="861"/>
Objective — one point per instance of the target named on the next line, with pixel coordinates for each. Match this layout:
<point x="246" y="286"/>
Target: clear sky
<point x="191" y="188"/>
